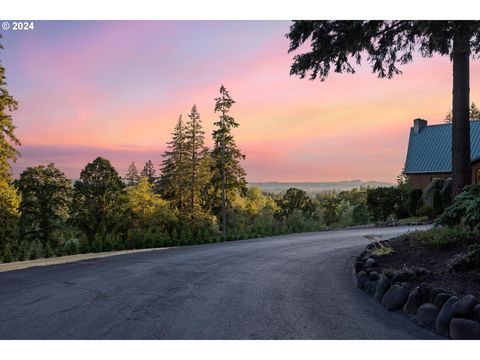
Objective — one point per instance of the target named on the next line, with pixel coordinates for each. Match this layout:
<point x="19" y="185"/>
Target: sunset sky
<point x="115" y="89"/>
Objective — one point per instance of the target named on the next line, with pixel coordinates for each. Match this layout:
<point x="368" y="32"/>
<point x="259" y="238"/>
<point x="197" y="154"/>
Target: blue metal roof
<point x="430" y="150"/>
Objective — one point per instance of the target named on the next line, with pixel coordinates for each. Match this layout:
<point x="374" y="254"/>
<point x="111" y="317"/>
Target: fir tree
<point x="174" y="177"/>
<point x="228" y="174"/>
<point x="132" y="176"/>
<point x="148" y="171"/>
<point x="197" y="164"/>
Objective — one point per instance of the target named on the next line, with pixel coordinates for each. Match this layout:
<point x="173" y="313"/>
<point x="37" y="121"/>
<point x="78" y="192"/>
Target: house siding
<point x="420" y="181"/>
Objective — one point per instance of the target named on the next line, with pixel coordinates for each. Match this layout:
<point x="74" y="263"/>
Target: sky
<point x="116" y="88"/>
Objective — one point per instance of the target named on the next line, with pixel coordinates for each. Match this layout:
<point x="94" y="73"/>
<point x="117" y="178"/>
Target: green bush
<point x="443" y="237"/>
<point x="70" y="247"/>
<point x="465" y="209"/>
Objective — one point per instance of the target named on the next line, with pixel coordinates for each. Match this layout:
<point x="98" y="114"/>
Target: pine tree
<point x="174" y="177"/>
<point x="148" y="171"/>
<point x="9" y="197"/>
<point x="228" y="174"/>
<point x="197" y="164"/>
<point x="132" y="176"/>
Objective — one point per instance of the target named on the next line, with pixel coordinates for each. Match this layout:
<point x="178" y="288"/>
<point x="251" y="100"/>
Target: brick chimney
<point x="418" y="125"/>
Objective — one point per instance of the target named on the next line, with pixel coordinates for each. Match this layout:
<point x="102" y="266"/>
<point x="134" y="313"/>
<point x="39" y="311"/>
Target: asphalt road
<point x="286" y="287"/>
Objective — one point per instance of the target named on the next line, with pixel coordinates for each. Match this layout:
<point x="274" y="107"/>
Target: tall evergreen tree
<point x="228" y="174"/>
<point x="387" y="44"/>
<point x="46" y="195"/>
<point x="132" y="177"/>
<point x="148" y="172"/>
<point x="197" y="165"/>
<point x="174" y="169"/>
<point x="9" y="197"/>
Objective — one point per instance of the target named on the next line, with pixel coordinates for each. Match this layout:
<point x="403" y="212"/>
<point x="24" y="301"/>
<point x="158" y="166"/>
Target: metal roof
<point x="430" y="150"/>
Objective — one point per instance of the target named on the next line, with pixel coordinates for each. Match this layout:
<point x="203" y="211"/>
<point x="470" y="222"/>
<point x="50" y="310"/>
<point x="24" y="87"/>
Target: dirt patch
<point x="416" y="257"/>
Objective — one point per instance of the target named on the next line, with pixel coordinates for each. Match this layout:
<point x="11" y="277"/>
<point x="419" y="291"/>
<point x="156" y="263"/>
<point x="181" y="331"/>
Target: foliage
<point x="199" y="163"/>
<point x="228" y="175"/>
<point x="385" y="201"/>
<point x="132" y="177"/>
<point x="360" y="214"/>
<point x="98" y="199"/>
<point x="383" y="251"/>
<point x="46" y="195"/>
<point x="148" y="172"/>
<point x="465" y="209"/>
<point x="174" y="172"/>
<point x="295" y="199"/>
<point x="442" y="237"/>
<point x="474" y="114"/>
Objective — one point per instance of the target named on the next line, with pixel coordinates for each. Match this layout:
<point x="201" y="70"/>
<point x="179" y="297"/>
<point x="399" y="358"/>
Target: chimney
<point x="418" y="125"/>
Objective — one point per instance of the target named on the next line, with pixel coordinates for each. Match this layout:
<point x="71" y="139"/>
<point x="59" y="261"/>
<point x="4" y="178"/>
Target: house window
<point x="477" y="176"/>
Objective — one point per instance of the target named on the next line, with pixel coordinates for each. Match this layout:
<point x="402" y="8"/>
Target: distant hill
<point x="317" y="187"/>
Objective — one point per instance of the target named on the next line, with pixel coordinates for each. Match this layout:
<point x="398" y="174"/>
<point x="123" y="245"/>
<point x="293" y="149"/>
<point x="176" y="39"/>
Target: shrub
<point x="71" y="247"/>
<point x="83" y="245"/>
<point x="465" y="209"/>
<point x="442" y="237"/>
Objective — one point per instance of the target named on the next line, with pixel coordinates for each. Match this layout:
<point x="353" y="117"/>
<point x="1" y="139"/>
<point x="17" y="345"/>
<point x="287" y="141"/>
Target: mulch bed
<point x="412" y="255"/>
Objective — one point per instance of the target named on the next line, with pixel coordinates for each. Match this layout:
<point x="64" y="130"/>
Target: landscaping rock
<point x="425" y="290"/>
<point x="373" y="276"/>
<point x="445" y="315"/>
<point x="395" y="297"/>
<point x="401" y="277"/>
<point x="362" y="278"/>
<point x="463" y="329"/>
<point x="358" y="266"/>
<point x="476" y="310"/>
<point x="464" y="308"/>
<point x="383" y="285"/>
<point x="441" y="299"/>
<point x="370" y="263"/>
<point x="371" y="286"/>
<point x="427" y="314"/>
<point x="414" y="301"/>
<point x="434" y="293"/>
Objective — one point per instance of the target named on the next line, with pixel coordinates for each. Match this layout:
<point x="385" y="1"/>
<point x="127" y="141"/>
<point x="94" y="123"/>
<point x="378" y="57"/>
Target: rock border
<point x="436" y="309"/>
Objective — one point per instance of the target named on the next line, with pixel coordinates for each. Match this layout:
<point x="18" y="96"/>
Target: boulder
<point x="464" y="308"/>
<point x="441" y="299"/>
<point x="395" y="297"/>
<point x="425" y="290"/>
<point x="383" y="285"/>
<point x="427" y="314"/>
<point x="414" y="301"/>
<point x="362" y="278"/>
<point x="370" y="263"/>
<point x="445" y="315"/>
<point x="476" y="310"/>
<point x="373" y="276"/>
<point x="463" y="329"/>
<point x="358" y="266"/>
<point x="401" y="277"/>
<point x="434" y="293"/>
<point x="371" y="286"/>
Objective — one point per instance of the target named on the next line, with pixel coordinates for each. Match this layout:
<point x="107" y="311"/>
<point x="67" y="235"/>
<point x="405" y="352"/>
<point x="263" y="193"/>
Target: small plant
<point x="383" y="251"/>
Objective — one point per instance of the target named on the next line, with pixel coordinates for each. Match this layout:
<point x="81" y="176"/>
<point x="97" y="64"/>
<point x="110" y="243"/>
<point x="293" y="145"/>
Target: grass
<point x="443" y="237"/>
<point x="413" y="219"/>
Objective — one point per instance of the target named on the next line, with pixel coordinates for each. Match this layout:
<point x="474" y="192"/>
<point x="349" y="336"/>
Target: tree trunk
<point x="461" y="162"/>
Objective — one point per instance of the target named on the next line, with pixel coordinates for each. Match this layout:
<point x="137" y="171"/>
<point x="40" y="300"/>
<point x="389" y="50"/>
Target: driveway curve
<point x="285" y="287"/>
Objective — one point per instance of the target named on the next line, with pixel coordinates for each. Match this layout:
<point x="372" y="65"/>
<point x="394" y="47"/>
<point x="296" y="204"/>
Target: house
<point x="429" y="152"/>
